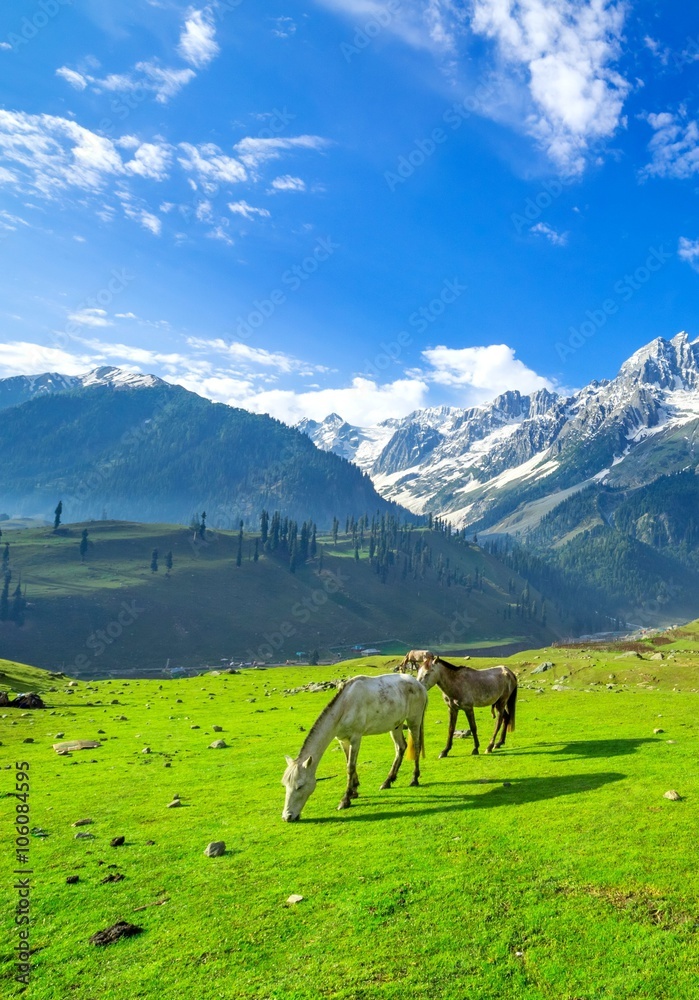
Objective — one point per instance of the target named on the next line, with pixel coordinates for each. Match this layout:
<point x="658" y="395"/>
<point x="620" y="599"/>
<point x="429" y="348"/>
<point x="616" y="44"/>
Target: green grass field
<point x="552" y="869"/>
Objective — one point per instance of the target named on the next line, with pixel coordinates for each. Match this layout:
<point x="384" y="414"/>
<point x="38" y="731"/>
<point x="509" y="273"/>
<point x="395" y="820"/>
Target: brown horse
<point x="415" y="658"/>
<point x="464" y="687"/>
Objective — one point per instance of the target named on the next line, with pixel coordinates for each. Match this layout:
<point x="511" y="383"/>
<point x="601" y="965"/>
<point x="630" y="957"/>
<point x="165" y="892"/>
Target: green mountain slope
<point x="112" y="613"/>
<point x="161" y="453"/>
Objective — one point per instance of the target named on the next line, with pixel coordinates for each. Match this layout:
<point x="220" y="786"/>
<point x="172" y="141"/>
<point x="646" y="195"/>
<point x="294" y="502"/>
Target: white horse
<point x="415" y="658"/>
<point x="364" y="706"/>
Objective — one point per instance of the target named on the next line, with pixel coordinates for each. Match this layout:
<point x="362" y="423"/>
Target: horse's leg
<point x="453" y="713"/>
<point x="400" y="744"/>
<point x="352" y="779"/>
<point x="416" y="733"/>
<point x="471" y="715"/>
<point x="503" y="720"/>
<point x="500" y="722"/>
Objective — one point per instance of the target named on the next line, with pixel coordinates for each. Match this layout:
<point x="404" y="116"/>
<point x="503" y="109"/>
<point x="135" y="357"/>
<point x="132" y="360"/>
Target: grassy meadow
<point x="554" y="868"/>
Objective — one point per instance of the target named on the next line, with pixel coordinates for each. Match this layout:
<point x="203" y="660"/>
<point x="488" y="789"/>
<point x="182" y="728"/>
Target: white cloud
<point x="164" y="82"/>
<point x="89" y="317"/>
<point x="688" y="250"/>
<point x="564" y="50"/>
<point x="22" y="358"/>
<point x="211" y="166"/>
<point x="254" y="151"/>
<point x="247" y="211"/>
<point x="674" y="147"/>
<point x="287" y="183"/>
<point x="238" y="353"/>
<point x="484" y="371"/>
<point x="363" y="402"/>
<point x="146" y="219"/>
<point x="9" y="222"/>
<point x="151" y="160"/>
<point x="5" y="46"/>
<point x="72" y="77"/>
<point x="423" y="24"/>
<point x="220" y="233"/>
<point x="197" y="41"/>
<point x="284" y="27"/>
<point x="551" y="234"/>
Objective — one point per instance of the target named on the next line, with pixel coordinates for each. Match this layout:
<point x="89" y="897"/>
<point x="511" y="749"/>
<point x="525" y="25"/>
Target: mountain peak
<point x="109" y="375"/>
<point x="664" y="363"/>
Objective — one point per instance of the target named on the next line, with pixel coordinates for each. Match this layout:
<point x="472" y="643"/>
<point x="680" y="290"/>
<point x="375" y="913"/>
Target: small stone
<point x="117" y="841"/>
<point x="195" y="727"/>
<point x="59" y="736"/>
<point x="174" y="804"/>
<point x="294" y="898"/>
<point x="217" y="729"/>
<point x="28" y="739"/>
<point x="215" y="849"/>
<point x="167" y="764"/>
<point x="658" y="730"/>
<point x="84" y="836"/>
<point x="72" y="879"/>
<point x="507" y="784"/>
<point x="145" y="750"/>
<point x="670" y="741"/>
<point x="218" y="745"/>
<point x="149" y="843"/>
<point x="114" y="877"/>
<point x="82" y="822"/>
<point x="672" y="795"/>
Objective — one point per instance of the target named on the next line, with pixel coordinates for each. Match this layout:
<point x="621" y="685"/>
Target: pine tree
<point x="5" y="598"/>
<point x="336" y="528"/>
<point x="57" y="515"/>
<point x="18" y="605"/>
<point x="202" y="525"/>
<point x="239" y="554"/>
<point x="154" y="561"/>
<point x="256" y="554"/>
<point x="83" y="545"/>
<point x="264" y="526"/>
<point x="168" y="563"/>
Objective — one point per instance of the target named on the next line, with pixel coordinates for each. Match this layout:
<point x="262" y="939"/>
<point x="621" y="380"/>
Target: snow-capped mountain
<point x="19" y="388"/>
<point x="478" y="465"/>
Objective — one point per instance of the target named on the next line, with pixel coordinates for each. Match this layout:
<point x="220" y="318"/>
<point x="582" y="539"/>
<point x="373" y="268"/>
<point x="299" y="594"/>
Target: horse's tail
<point x="510" y="709"/>
<point x="412" y="751"/>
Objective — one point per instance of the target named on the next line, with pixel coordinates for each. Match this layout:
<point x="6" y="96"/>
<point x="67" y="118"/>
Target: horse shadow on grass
<point x="517" y="792"/>
<point x="579" y="749"/>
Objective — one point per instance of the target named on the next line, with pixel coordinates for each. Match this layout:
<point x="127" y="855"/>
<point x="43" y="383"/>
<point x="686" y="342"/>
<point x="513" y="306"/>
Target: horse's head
<point x="427" y="674"/>
<point x="299" y="780"/>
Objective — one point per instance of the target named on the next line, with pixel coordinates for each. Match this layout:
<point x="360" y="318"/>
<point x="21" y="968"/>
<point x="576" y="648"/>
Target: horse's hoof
<point x="345" y="804"/>
<point x="474" y="752"/>
<point x="488" y="749"/>
<point x="354" y="795"/>
<point x="386" y="784"/>
<point x="414" y="783"/>
<point x="444" y="753"/>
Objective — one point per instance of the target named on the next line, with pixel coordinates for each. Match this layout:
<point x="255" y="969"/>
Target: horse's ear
<point x="289" y="760"/>
<point x="307" y="762"/>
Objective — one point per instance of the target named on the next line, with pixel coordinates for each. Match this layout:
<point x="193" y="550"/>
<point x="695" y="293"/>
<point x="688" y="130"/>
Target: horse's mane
<point x="446" y="663"/>
<point x="322" y="715"/>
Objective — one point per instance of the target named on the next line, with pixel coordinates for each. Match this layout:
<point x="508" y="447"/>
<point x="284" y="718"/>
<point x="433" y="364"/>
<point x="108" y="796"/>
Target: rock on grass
<point x="122" y="928"/>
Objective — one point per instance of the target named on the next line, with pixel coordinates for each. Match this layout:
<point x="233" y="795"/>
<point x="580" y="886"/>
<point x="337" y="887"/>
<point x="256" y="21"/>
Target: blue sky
<point x="347" y="205"/>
